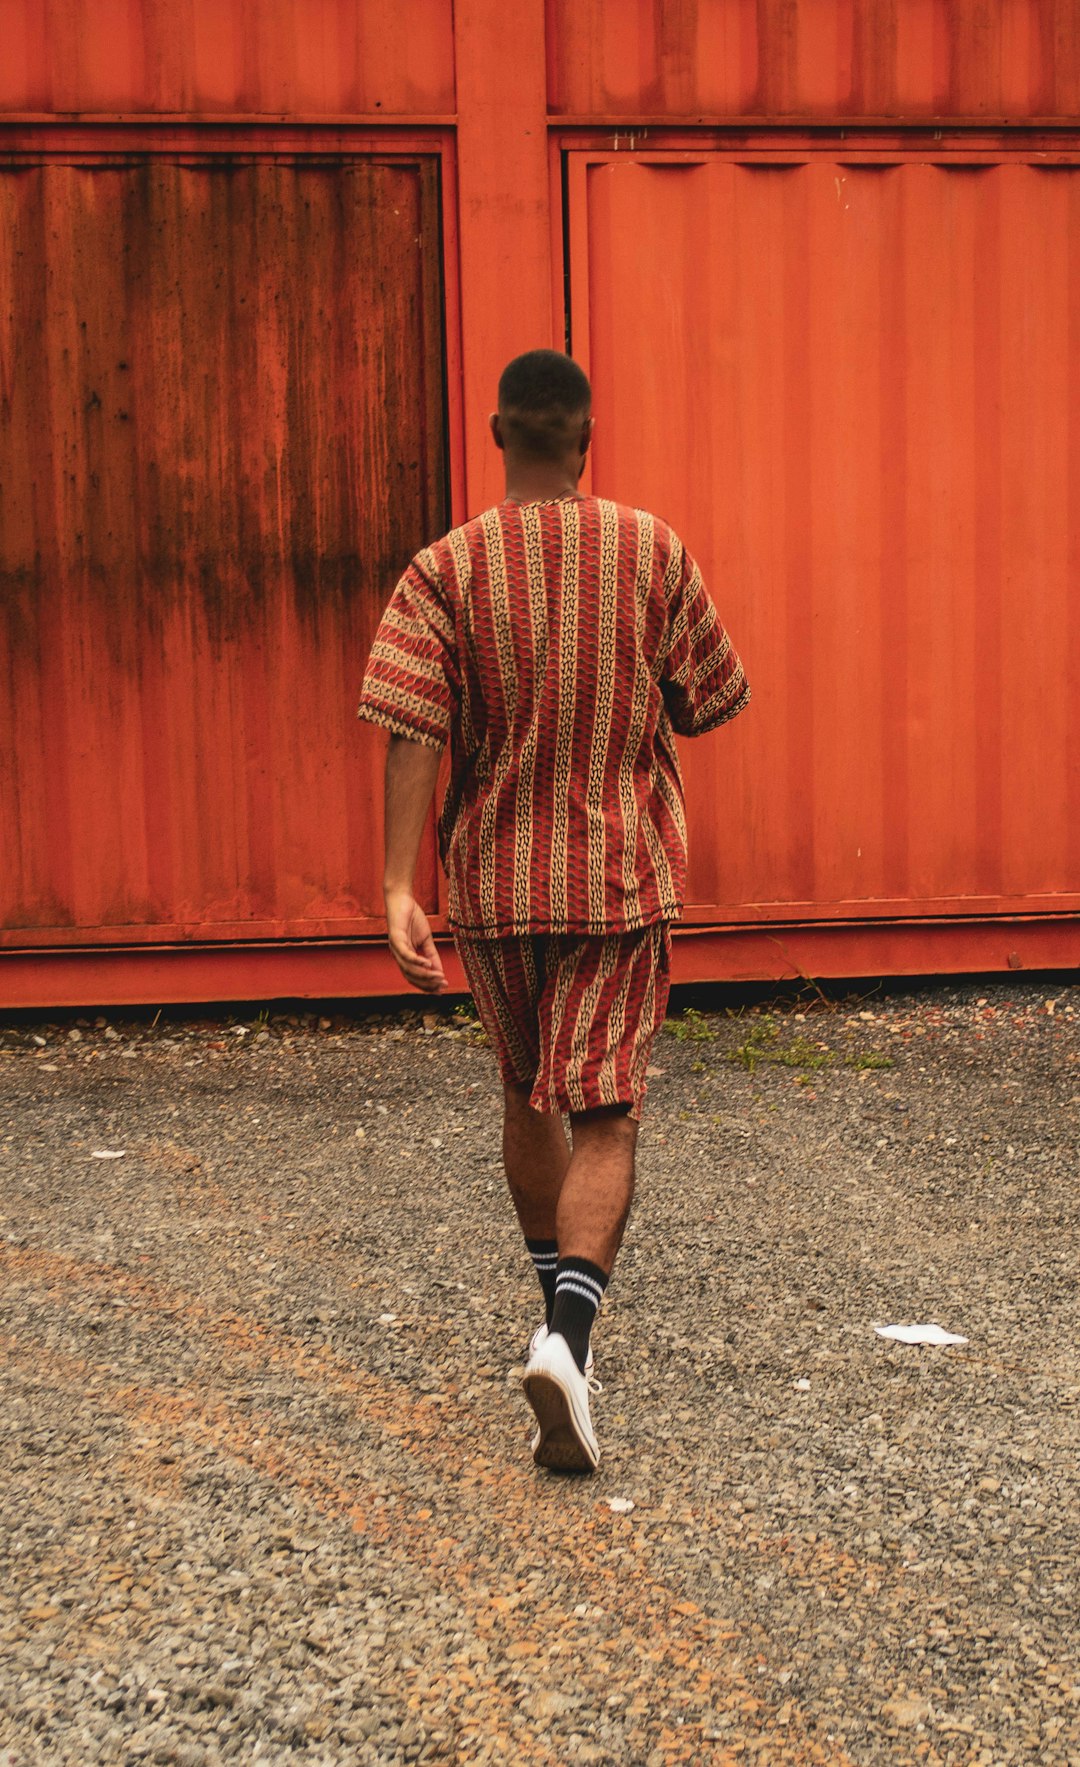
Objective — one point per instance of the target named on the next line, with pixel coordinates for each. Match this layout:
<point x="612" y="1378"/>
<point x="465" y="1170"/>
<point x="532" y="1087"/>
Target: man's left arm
<point x="703" y="682"/>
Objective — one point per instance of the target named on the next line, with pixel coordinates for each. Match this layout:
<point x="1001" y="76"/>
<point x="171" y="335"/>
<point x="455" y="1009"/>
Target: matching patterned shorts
<point x="573" y="1016"/>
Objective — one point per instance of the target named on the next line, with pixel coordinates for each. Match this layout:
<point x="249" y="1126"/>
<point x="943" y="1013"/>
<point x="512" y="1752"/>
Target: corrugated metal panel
<point x="216" y="57"/>
<point x="855" y="388"/>
<point x="221" y="388"/>
<point x="786" y="59"/>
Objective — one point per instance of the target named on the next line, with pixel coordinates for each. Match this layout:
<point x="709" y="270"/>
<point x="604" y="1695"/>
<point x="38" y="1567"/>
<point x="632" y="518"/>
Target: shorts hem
<point x="559" y="1101"/>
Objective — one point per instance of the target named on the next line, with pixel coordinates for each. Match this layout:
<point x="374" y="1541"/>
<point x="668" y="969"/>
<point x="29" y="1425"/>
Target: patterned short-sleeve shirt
<point x="557" y="646"/>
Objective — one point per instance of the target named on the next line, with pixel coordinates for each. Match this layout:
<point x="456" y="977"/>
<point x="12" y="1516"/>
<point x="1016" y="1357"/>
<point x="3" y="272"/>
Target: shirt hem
<point x="610" y="927"/>
<point x="399" y="726"/>
<point x="713" y="720"/>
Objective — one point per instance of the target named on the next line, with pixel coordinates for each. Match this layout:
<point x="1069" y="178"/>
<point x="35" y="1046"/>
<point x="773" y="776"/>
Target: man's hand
<point x="412" y="944"/>
<point x="411" y="771"/>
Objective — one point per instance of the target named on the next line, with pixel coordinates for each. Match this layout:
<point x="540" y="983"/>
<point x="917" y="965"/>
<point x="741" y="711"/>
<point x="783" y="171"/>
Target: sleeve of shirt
<point x="412" y="684"/>
<point x="702" y="679"/>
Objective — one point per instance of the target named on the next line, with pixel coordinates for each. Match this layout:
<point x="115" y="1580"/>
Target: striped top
<point x="556" y="645"/>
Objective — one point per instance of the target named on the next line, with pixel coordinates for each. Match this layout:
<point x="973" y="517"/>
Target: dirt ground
<point x="265" y="1488"/>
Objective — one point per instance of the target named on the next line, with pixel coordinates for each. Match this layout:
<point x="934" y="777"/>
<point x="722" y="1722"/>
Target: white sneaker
<point x="559" y="1394"/>
<point x="539" y="1336"/>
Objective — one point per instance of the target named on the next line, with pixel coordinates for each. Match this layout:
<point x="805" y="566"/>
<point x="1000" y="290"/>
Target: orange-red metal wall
<point x="260" y="266"/>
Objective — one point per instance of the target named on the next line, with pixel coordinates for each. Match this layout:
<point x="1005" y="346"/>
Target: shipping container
<point x="260" y="267"/>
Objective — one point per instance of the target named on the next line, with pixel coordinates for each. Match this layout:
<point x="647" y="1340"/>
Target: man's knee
<point x="611" y="1123"/>
<point x="516" y="1095"/>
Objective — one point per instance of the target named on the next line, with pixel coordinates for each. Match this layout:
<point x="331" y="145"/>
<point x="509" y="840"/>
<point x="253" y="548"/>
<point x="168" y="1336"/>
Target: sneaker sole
<point x="561" y="1446"/>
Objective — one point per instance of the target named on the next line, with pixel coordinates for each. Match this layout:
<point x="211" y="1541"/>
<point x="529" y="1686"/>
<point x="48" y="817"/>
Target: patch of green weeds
<point x="692" y="1027"/>
<point x="765" y="1044"/>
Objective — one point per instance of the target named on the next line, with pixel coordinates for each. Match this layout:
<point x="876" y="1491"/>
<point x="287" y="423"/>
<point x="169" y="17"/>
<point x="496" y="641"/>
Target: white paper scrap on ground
<point x="918" y="1334"/>
<point x="108" y="1153"/>
<point x="620" y="1505"/>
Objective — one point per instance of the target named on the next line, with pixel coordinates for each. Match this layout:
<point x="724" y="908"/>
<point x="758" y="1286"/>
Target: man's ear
<point x="496" y="430"/>
<point x="586" y="435"/>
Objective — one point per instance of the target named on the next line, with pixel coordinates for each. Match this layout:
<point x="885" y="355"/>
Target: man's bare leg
<point x="536" y="1159"/>
<point x="596" y="1193"/>
<point x="573" y="1204"/>
<point x="570" y="1205"/>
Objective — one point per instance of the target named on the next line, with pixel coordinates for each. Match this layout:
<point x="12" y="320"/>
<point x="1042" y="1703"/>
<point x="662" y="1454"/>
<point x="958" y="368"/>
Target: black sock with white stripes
<point x="579" y="1289"/>
<point x="545" y="1256"/>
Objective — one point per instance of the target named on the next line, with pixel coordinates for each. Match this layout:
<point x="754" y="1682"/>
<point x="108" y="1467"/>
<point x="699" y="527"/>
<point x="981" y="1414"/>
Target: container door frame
<point x="118" y="143"/>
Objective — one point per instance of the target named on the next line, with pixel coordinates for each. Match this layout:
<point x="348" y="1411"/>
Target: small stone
<point x="905" y="1713"/>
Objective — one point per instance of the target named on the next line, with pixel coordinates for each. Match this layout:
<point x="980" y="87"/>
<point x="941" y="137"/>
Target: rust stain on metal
<point x="223" y="439"/>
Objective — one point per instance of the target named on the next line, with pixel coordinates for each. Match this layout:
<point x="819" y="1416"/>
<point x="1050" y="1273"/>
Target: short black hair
<point x="541" y="394"/>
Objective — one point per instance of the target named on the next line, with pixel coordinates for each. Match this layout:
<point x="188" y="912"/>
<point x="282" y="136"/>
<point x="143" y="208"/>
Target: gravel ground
<point x="265" y="1492"/>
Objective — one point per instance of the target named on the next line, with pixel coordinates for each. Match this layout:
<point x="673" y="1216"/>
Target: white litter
<point x="918" y="1334"/>
<point x="801" y="1386"/>
<point x="620" y="1505"/>
<point x="387" y="1318"/>
<point x="108" y="1153"/>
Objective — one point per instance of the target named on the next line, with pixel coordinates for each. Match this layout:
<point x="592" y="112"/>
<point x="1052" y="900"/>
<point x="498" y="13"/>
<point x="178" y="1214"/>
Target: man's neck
<point x="538" y="481"/>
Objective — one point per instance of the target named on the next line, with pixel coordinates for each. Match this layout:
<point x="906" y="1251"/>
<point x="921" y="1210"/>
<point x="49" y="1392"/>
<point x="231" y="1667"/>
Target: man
<point x="555" y="642"/>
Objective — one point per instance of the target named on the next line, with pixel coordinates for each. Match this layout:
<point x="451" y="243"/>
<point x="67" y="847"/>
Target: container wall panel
<point x="783" y="59"/>
<point x="854" y="389"/>
<point x="220" y="57"/>
<point x="222" y="436"/>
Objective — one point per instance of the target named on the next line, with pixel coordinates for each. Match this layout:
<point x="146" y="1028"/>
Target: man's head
<point x="544" y="405"/>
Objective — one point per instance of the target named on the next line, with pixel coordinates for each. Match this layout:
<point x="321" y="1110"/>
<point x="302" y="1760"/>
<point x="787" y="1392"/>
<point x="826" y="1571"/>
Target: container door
<point x="221" y="437"/>
<point x="853" y="386"/>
